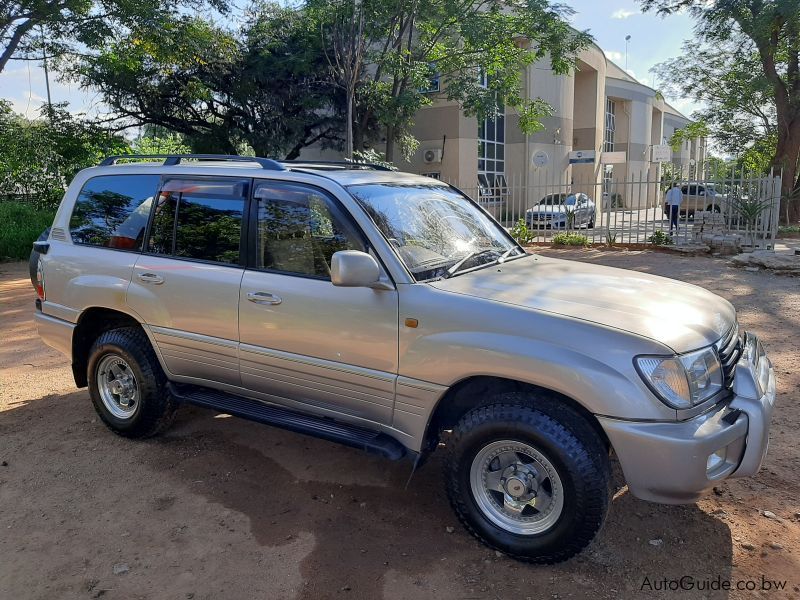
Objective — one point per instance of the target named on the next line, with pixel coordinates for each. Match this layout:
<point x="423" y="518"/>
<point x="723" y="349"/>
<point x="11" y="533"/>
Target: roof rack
<point x="174" y="159"/>
<point x="336" y="164"/>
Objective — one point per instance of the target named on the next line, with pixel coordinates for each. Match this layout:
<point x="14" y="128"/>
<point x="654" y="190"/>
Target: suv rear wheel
<point x="529" y="477"/>
<point x="127" y="384"/>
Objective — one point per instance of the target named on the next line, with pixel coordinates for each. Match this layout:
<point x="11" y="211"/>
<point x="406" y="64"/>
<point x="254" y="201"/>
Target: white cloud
<point x="623" y="13"/>
<point x="614" y="55"/>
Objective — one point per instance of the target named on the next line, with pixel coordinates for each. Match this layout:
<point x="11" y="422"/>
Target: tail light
<point x="40" y="280"/>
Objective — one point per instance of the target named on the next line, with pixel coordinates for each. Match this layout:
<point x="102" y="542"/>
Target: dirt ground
<point x="223" y="508"/>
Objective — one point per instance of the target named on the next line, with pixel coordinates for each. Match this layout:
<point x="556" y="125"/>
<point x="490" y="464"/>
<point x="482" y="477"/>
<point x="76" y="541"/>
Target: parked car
<point x="554" y="210"/>
<point x="388" y="312"/>
<point x="701" y="196"/>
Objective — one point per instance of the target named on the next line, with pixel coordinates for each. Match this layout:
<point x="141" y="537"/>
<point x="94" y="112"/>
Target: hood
<point x="679" y="315"/>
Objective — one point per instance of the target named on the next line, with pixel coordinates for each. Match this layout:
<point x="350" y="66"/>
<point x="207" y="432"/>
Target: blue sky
<point x="653" y="40"/>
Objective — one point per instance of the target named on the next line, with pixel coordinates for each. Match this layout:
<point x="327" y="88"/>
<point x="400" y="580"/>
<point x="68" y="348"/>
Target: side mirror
<point x="353" y="268"/>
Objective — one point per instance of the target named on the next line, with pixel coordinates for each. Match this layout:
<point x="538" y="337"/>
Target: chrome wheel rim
<point x="117" y="386"/>
<point x="516" y="487"/>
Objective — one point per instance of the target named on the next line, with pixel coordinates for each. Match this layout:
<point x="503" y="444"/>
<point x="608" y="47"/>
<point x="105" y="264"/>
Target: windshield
<point x="557" y="199"/>
<point x="436" y="231"/>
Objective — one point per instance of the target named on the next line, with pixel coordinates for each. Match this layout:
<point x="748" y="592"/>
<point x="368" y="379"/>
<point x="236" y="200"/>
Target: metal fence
<point x="741" y="208"/>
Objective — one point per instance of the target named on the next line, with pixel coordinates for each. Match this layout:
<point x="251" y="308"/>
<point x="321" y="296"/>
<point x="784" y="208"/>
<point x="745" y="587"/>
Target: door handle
<point x="263" y="298"/>
<point x="150" y="278"/>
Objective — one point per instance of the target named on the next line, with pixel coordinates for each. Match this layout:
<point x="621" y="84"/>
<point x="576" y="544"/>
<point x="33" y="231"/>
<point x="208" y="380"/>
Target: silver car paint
<point x="192" y="313"/>
<point x="334" y="347"/>
<point x="347" y="353"/>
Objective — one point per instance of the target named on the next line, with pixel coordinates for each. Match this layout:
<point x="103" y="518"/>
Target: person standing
<point x="674" y="200"/>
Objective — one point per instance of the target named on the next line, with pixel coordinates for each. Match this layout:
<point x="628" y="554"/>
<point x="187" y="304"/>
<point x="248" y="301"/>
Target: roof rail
<point x="336" y="164"/>
<point x="174" y="159"/>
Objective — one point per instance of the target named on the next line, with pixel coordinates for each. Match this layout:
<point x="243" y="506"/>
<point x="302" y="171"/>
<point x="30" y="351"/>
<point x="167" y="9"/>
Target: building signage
<point x="540" y="159"/>
<point x="580" y="157"/>
<point x="662" y="153"/>
<point x="614" y="158"/>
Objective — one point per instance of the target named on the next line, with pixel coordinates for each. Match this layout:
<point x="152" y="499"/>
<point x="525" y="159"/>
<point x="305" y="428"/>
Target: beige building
<point x="601" y="135"/>
<point x="602" y="112"/>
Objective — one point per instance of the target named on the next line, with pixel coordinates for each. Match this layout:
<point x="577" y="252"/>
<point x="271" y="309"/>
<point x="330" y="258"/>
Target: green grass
<point x="20" y="225"/>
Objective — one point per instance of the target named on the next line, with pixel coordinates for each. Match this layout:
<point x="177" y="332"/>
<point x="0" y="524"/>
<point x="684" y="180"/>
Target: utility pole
<point x="46" y="76"/>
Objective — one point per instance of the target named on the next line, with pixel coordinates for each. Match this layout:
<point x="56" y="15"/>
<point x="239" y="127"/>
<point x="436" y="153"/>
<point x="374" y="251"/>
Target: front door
<point x="305" y="342"/>
<point x="186" y="285"/>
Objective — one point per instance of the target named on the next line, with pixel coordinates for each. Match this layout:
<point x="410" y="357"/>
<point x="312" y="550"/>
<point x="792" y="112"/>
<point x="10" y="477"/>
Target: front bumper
<point x="676" y="462"/>
<point x="546" y="223"/>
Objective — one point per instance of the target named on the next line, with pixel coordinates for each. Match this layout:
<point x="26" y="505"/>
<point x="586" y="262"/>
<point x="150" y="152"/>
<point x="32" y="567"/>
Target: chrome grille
<point x="729" y="349"/>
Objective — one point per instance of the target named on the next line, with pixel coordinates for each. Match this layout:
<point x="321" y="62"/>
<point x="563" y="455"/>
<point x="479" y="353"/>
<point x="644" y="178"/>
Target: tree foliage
<point x="58" y="27"/>
<point x="292" y="77"/>
<point x="406" y="43"/>
<point x="263" y="87"/>
<point x="753" y="51"/>
<point x="39" y="157"/>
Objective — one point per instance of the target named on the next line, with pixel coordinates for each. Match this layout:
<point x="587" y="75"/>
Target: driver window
<point x="299" y="228"/>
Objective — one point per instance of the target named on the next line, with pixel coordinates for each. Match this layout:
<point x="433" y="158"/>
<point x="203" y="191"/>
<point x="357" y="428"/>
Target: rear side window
<point x="199" y="219"/>
<point x="112" y="211"/>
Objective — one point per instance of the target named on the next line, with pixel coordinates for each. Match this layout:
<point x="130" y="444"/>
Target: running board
<point x="373" y="442"/>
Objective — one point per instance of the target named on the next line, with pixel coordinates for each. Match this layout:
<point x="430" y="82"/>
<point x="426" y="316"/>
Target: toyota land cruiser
<point x="390" y="312"/>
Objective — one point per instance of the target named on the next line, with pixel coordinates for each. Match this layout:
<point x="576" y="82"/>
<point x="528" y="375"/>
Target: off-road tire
<point x="156" y="407"/>
<point x="569" y="442"/>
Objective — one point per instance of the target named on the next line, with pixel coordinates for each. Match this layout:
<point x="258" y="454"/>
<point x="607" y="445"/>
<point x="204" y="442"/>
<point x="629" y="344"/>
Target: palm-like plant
<point x="749" y="212"/>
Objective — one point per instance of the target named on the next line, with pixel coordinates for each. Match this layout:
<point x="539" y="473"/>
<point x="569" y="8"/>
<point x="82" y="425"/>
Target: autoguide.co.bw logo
<point x="691" y="583"/>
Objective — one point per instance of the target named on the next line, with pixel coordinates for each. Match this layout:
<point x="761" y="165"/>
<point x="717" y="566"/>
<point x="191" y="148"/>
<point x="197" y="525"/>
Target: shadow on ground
<point x="228" y="500"/>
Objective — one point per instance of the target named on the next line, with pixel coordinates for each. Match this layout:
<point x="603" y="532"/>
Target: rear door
<point x="185" y="286"/>
<point x="305" y="342"/>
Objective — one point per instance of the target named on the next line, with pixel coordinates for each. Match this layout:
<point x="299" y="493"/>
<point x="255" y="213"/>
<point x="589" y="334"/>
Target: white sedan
<point x="560" y="211"/>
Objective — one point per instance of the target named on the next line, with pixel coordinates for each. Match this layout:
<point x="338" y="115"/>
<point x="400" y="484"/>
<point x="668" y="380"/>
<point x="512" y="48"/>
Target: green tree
<point x="404" y="44"/>
<point x="56" y="27"/>
<point x="39" y="157"/>
<point x="769" y="34"/>
<point x="262" y="88"/>
<point x="164" y="143"/>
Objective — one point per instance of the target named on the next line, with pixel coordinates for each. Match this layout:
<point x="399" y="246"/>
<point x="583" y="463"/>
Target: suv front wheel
<point x="127" y="385"/>
<point x="529" y="477"/>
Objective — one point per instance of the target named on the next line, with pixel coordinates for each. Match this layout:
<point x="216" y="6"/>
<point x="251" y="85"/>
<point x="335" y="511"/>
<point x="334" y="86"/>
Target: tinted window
<point x="200" y="219"/>
<point x="112" y="211"/>
<point x="299" y="229"/>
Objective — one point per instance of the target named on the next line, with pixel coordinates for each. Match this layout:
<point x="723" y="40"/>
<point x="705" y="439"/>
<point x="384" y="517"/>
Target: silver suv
<point x="389" y="312"/>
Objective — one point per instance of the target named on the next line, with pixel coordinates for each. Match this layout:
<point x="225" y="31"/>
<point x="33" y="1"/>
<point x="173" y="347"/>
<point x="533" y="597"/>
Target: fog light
<point x="716" y="460"/>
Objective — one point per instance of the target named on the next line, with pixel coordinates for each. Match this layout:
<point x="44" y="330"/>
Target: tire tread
<point x="573" y="434"/>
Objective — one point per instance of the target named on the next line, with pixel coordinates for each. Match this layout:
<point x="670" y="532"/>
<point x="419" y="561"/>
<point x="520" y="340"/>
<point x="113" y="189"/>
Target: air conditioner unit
<point x="434" y="155"/>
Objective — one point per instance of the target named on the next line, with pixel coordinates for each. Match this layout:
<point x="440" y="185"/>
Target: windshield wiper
<point x="452" y="270"/>
<point x="505" y="254"/>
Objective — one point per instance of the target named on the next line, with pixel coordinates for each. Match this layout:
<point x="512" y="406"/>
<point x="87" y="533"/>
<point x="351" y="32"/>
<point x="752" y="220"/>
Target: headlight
<point x="685" y="380"/>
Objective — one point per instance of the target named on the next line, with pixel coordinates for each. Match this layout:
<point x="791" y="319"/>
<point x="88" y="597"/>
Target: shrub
<point x="566" y="238"/>
<point x="521" y="233"/>
<point x="20" y="225"/>
<point x="659" y="238"/>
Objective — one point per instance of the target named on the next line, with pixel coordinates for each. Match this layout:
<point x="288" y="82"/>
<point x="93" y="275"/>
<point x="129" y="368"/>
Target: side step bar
<point x="370" y="441"/>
